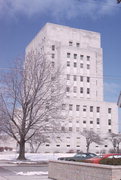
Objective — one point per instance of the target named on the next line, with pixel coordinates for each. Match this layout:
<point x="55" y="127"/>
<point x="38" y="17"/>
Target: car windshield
<point x="80" y="155"/>
<point x="84" y="155"/>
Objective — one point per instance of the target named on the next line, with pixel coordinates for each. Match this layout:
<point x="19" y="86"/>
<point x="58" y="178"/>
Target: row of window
<point x="75" y="56"/>
<point x="68" y="90"/>
<point x="75" y="65"/>
<point x="68" y="145"/>
<point x="91" y="122"/>
<point x="75" y="77"/>
<point x="70" y="43"/>
<point x="70" y="129"/>
<point x="91" y="108"/>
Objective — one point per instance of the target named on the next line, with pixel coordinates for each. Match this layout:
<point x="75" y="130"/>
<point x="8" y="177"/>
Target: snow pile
<point x="31" y="173"/>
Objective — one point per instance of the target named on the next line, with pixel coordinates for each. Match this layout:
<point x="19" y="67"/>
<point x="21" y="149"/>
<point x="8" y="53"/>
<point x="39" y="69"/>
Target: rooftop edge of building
<point x="53" y="25"/>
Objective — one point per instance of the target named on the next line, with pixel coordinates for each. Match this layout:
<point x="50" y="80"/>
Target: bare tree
<point x="31" y="99"/>
<point x="37" y="140"/>
<point x="118" y="1"/>
<point x="91" y="137"/>
<point x="115" y="139"/>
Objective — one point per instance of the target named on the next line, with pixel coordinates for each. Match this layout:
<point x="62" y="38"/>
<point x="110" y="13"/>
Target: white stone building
<point x="80" y="53"/>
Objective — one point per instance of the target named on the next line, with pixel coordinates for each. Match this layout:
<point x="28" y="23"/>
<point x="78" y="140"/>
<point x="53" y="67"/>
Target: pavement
<point x="7" y="174"/>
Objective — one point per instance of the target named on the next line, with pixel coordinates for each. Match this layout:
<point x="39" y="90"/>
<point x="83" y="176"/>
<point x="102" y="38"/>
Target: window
<point x="53" y="47"/>
<point x="91" y="108"/>
<point x="109" y="121"/>
<point x="52" y="78"/>
<point x="75" y="56"/>
<point x="98" y="121"/>
<point x="62" y="128"/>
<point x="91" y="122"/>
<point x="53" y="64"/>
<point x="98" y="109"/>
<point x="78" y="146"/>
<point x="77" y="129"/>
<point x="109" y="110"/>
<point x="109" y="130"/>
<point x="68" y="55"/>
<point x="81" y="57"/>
<point x="68" y="63"/>
<point x="46" y="120"/>
<point x="84" y="108"/>
<point x="74" y="77"/>
<point x="77" y="107"/>
<point x="63" y="106"/>
<point x="88" y="58"/>
<point x="67" y="137"/>
<point x="58" y="145"/>
<point x="47" y="105"/>
<point x="78" y="138"/>
<point x="74" y="89"/>
<point x="88" y="90"/>
<point x="84" y="122"/>
<point x="81" y="90"/>
<point x="47" y="145"/>
<point x="75" y="64"/>
<point x="88" y="66"/>
<point x="81" y="65"/>
<point x="53" y="56"/>
<point x="68" y="76"/>
<point x="70" y="128"/>
<point x="81" y="78"/>
<point x="68" y="145"/>
<point x="88" y="79"/>
<point x="67" y="89"/>
<point x="77" y="121"/>
<point x="70" y="107"/>
<point x="70" y="43"/>
<point x="77" y="44"/>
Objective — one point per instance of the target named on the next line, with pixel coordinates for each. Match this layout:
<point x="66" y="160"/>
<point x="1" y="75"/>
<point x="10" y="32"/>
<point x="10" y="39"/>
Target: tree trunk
<point x="21" y="150"/>
<point x="88" y="148"/>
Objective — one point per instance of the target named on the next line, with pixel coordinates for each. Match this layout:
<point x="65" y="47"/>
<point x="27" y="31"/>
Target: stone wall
<point x="60" y="170"/>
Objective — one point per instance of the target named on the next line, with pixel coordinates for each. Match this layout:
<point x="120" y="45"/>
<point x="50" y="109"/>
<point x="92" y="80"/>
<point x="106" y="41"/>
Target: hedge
<point x="113" y="161"/>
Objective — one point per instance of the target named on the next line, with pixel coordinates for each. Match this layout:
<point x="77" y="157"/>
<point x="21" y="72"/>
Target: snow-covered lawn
<point x="12" y="156"/>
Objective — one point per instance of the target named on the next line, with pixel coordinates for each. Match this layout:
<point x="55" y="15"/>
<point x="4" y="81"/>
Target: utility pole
<point x="119" y="101"/>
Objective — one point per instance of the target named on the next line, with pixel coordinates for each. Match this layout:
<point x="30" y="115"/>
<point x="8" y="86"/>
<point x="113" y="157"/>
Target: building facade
<point x="80" y="54"/>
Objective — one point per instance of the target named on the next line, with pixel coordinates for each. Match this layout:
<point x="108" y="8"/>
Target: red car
<point x="97" y="159"/>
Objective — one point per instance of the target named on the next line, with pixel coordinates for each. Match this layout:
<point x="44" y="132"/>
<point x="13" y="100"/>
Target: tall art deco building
<point x="80" y="53"/>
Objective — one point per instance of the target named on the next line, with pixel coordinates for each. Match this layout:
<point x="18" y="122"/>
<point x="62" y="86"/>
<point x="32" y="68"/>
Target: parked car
<point x="78" y="157"/>
<point x="97" y="159"/>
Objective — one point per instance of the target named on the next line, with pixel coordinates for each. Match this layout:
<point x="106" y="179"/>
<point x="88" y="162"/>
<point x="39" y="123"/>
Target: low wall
<point x="66" y="170"/>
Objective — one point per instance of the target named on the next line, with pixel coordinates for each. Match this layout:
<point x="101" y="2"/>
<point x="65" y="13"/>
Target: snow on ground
<point x="12" y="156"/>
<point x="31" y="173"/>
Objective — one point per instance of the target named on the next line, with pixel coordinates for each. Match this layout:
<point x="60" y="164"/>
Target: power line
<point x="91" y="76"/>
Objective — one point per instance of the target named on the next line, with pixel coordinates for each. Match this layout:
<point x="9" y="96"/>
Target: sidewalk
<point x="6" y="173"/>
<point x="24" y="178"/>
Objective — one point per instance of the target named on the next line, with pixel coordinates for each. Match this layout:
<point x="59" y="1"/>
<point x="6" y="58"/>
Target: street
<point x="9" y="171"/>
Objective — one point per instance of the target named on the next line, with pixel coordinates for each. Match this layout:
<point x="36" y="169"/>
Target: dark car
<point x="78" y="157"/>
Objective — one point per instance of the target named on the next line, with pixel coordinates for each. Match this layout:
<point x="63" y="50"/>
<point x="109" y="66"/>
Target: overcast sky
<point x="20" y="20"/>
